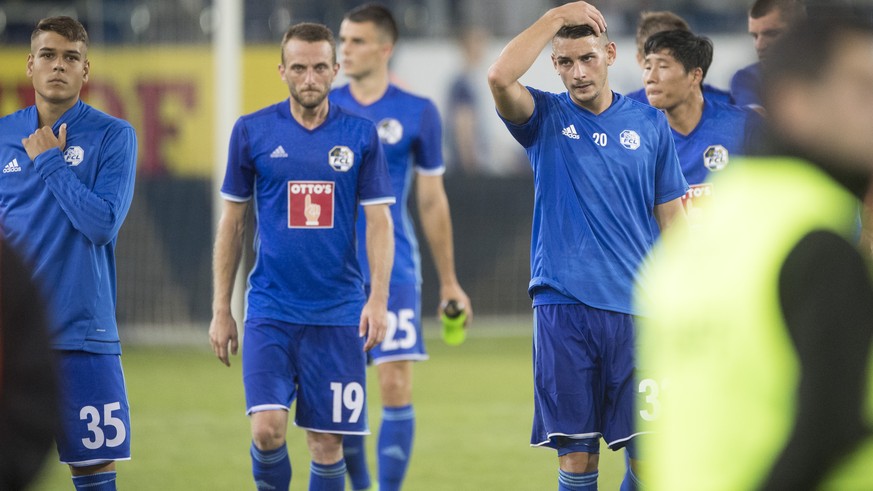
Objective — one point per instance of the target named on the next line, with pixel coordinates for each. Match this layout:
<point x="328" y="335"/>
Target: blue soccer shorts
<point x="403" y="339"/>
<point x="583" y="377"/>
<point x="95" y="415"/>
<point x="322" y="367"/>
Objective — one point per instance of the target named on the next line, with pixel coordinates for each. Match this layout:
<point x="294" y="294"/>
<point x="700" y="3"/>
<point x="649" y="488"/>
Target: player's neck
<point x="310" y="118"/>
<point x="685" y="116"/>
<point x="49" y="112"/>
<point x="370" y="88"/>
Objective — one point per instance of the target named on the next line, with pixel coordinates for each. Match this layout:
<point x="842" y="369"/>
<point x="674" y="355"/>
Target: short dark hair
<point x="689" y="49"/>
<point x="576" y="32"/>
<point x="379" y="15"/>
<point x="68" y="27"/>
<point x="309" y="32"/>
<point x="652" y="22"/>
<point x="790" y="10"/>
<point x="815" y="38"/>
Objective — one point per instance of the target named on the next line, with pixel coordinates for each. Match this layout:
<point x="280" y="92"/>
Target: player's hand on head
<point x="583" y="13"/>
<point x="223" y="337"/>
<point x="44" y="139"/>
<point x="374" y="324"/>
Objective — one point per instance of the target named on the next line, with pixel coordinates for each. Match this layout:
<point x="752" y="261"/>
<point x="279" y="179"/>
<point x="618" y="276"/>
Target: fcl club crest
<point x="310" y="204"/>
<point x="716" y="157"/>
<point x="341" y="158"/>
<point x="74" y="155"/>
<point x="630" y="139"/>
<point x="390" y="131"/>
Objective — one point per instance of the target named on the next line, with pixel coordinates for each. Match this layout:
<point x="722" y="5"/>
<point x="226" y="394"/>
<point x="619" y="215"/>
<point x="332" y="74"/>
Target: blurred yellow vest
<point x="715" y="342"/>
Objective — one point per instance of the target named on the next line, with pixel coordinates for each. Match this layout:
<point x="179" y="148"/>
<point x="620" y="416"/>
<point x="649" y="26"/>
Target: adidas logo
<point x="279" y="153"/>
<point x="395" y="452"/>
<point x="570" y="132"/>
<point x="12" y="167"/>
<point x="264" y="485"/>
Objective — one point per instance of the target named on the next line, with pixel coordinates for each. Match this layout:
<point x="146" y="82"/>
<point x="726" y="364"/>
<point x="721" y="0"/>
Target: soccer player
<point x="768" y="20"/>
<point x="309" y="164"/>
<point x="604" y="166"/>
<point x="65" y="189"/>
<point x="762" y="317"/>
<point x="707" y="133"/>
<point x="410" y="132"/>
<point x="653" y="22"/>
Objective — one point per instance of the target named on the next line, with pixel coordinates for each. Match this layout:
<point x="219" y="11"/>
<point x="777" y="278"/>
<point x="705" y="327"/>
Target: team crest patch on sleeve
<point x="74" y="155"/>
<point x="629" y="139"/>
<point x="341" y="158"/>
<point x="716" y="157"/>
<point x="310" y="204"/>
<point x="390" y="131"/>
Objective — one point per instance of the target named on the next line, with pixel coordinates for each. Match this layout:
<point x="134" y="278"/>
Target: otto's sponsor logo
<point x="310" y="204"/>
<point x="629" y="139"/>
<point x="341" y="158"/>
<point x="716" y="157"/>
<point x="695" y="199"/>
<point x="74" y="155"/>
<point x="390" y="131"/>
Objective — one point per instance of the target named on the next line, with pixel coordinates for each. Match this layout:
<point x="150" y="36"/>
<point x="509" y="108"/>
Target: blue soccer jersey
<point x="746" y="86"/>
<point x="723" y="132"/>
<point x="411" y="135"/>
<point x="709" y="93"/>
<point x="597" y="179"/>
<point x="62" y="213"/>
<point x="306" y="185"/>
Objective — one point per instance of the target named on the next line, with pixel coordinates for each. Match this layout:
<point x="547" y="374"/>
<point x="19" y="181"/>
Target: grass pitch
<point x="473" y="406"/>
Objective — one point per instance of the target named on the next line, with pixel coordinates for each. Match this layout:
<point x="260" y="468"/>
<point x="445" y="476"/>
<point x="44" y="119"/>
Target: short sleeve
<point x="428" y="149"/>
<point x="374" y="183"/>
<point x="526" y="133"/>
<point x="669" y="181"/>
<point x="239" y="177"/>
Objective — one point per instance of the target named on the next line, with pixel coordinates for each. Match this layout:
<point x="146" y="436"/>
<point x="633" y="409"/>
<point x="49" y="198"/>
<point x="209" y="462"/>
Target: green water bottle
<point x="454" y="316"/>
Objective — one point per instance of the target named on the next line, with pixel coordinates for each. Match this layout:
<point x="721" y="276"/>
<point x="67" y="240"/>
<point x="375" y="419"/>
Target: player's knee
<point x="267" y="434"/>
<point x="325" y="448"/>
<point x="579" y="455"/>
<point x="395" y="383"/>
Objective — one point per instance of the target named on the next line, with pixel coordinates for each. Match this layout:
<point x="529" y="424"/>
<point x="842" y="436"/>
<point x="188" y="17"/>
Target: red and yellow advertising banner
<point x="165" y="91"/>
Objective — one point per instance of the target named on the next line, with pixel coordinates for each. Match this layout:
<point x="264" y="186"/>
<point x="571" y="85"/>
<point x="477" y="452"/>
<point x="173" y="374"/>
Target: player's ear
<point x="554" y="62"/>
<point x="86" y="69"/>
<point x="611" y="52"/>
<point x="29" y="65"/>
<point x="697" y="75"/>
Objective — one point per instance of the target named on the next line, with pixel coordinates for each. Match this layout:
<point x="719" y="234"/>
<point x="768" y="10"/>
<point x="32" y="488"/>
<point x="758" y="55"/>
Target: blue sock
<point x="570" y="481"/>
<point x="327" y="477"/>
<point x="356" y="461"/>
<point x="630" y="482"/>
<point x="102" y="481"/>
<point x="271" y="468"/>
<point x="395" y="446"/>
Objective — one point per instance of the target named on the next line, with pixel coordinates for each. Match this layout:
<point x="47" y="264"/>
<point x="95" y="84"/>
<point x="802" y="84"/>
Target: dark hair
<point x="652" y="22"/>
<point x="790" y="10"/>
<point x="805" y="51"/>
<point x="378" y="14"/>
<point x="576" y="32"/>
<point x="690" y="50"/>
<point x="69" y="28"/>
<point x="311" y="33"/>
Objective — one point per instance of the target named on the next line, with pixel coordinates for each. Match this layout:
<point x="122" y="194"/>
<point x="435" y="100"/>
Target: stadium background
<point x="154" y="64"/>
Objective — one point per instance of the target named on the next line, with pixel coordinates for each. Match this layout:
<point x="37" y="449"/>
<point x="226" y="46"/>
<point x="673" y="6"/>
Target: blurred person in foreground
<point x="411" y="136"/>
<point x="66" y="187"/>
<point x="768" y="21"/>
<point x="308" y="165"/>
<point x="761" y="317"/>
<point x="651" y="23"/>
<point x="605" y="167"/>
<point x="28" y="383"/>
<point x="707" y="132"/>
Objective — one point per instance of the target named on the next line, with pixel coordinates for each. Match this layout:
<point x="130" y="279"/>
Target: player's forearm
<point x="380" y="249"/>
<point x="670" y="214"/>
<point x="521" y="53"/>
<point x="99" y="212"/>
<point x="437" y="225"/>
<point x="226" y="259"/>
